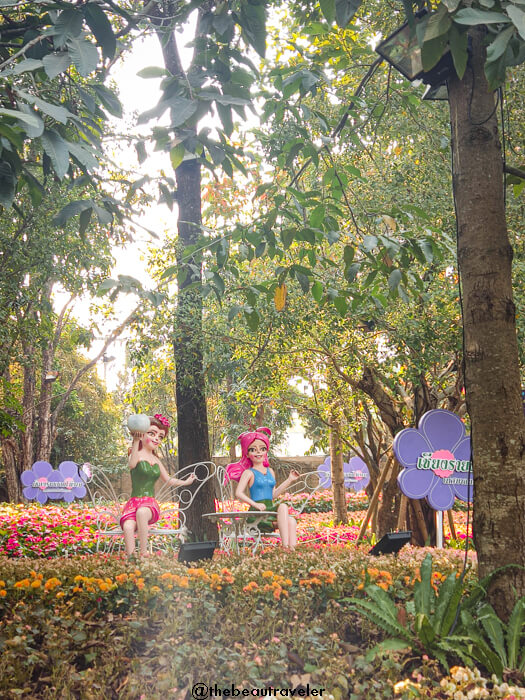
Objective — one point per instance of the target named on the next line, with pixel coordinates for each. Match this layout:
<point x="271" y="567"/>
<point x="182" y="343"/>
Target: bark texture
<point x="192" y="418"/>
<point x="338" y="477"/>
<point x="492" y="378"/>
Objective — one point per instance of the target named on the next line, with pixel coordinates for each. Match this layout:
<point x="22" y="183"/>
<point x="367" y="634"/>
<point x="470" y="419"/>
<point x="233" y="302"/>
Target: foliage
<point x="433" y="615"/>
<point x="437" y="607"/>
<point x="274" y="619"/>
<point x="55" y="100"/>
<point x="89" y="429"/>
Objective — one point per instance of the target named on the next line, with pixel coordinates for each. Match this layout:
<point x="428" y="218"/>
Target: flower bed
<point x="54" y="530"/>
<point x="100" y="626"/>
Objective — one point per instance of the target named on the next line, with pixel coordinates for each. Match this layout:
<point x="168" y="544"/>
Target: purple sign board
<point x="66" y="483"/>
<point x="436" y="460"/>
<point x="357" y="476"/>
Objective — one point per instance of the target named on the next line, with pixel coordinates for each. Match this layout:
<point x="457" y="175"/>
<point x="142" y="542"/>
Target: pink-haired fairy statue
<point x="254" y="474"/>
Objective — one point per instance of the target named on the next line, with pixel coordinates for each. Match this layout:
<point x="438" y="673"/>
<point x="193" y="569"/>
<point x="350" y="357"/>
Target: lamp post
<point x="403" y="51"/>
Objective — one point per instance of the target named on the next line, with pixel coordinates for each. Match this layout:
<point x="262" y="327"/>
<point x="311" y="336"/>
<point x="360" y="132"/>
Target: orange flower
<point x="52" y="583"/>
<point x="251" y="587"/>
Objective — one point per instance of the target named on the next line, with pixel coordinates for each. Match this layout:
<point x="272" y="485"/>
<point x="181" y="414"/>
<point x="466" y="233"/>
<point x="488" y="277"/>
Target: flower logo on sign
<point x="42" y="482"/>
<point x="436" y="460"/>
<point x="356" y="474"/>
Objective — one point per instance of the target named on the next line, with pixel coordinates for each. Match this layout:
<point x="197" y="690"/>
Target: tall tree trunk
<point x="492" y="378"/>
<point x="11" y="460"/>
<point x="28" y="416"/>
<point x="338" y="477"/>
<point x="45" y="427"/>
<point x="192" y="418"/>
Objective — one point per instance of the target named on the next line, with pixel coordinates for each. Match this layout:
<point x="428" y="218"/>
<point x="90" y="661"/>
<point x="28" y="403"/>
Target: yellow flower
<point x="155" y="589"/>
<point x="60" y="594"/>
<point x="3" y="593"/>
<point x="267" y="574"/>
<point x="2" y="584"/>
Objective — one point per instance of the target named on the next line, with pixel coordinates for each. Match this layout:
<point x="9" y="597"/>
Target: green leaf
<point x="36" y="189"/>
<point x="72" y="209"/>
<point x="386" y="645"/>
<point x="317" y="216"/>
<point x="317" y="291"/>
<point x="423" y="591"/>
<point x="432" y="51"/>
<point x="234" y="311"/>
<point x="348" y="254"/>
<point x="105" y="286"/>
<point x="471" y="16"/>
<point x="101" y="28"/>
<point x="252" y="319"/>
<point x="56" y="63"/>
<point x="515" y="632"/>
<point x="438" y="24"/>
<point x="108" y="98"/>
<point x="493" y="629"/>
<point x="83" y="155"/>
<point x="7" y="185"/>
<point x="394" y="279"/>
<point x="152" y="72"/>
<point x="495" y="72"/>
<point x="369" y="243"/>
<point x="56" y="149"/>
<point x="24" y="66"/>
<point x="498" y="47"/>
<point x="424" y="630"/>
<point x="303" y="280"/>
<point x="341" y="305"/>
<point x="451" y="5"/>
<point x="141" y="151"/>
<point x="103" y="215"/>
<point x="177" y="155"/>
<point x="14" y="137"/>
<point x="253" y="23"/>
<point x="328" y="9"/>
<point x="458" y="42"/>
<point x="345" y="10"/>
<point x="225" y="115"/>
<point x="56" y="112"/>
<point x="67" y="26"/>
<point x="84" y="55"/>
<point x="351" y="271"/>
<point x="31" y="120"/>
<point x="84" y="219"/>
<point x="448" y="600"/>
<point x="518" y="18"/>
<point x="181" y="110"/>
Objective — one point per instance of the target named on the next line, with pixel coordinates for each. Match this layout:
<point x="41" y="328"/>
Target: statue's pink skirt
<point x="130" y="509"/>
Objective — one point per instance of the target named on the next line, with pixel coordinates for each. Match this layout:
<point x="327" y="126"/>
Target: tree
<point x="37" y="257"/>
<point x="50" y="113"/>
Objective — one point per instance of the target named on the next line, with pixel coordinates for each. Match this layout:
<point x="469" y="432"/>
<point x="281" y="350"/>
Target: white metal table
<point x="240" y="527"/>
